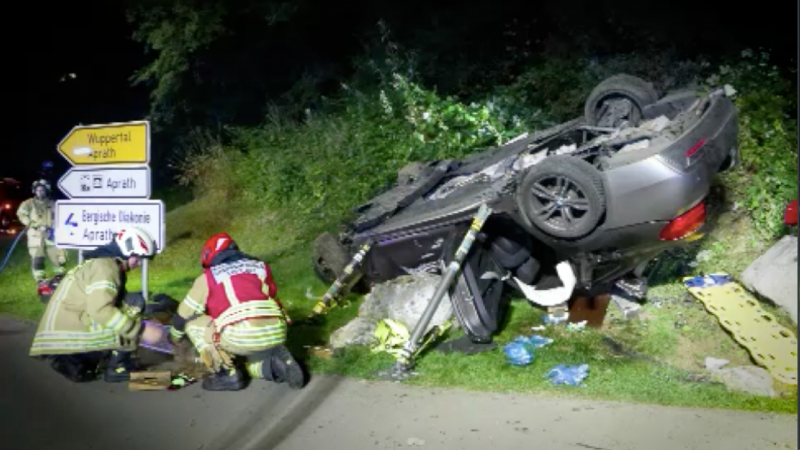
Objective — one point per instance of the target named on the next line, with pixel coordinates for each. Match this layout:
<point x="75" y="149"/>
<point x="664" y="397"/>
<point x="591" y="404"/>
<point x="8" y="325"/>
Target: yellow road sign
<point x="114" y="143"/>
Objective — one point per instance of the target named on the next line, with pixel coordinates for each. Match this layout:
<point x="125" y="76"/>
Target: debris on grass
<point x="535" y="340"/>
<point x="713" y="364"/>
<point x="629" y="309"/>
<point x="577" y="326"/>
<point x="568" y="375"/>
<point x="320" y="352"/>
<point x="518" y="354"/>
<point x="520" y="350"/>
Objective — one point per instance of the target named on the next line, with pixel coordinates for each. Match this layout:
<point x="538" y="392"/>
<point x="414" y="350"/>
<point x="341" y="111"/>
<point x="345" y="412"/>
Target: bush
<point x="352" y="147"/>
<point x="324" y="166"/>
<point x="767" y="177"/>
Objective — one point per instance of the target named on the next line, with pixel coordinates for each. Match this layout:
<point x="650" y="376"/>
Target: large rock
<point x="402" y="299"/>
<point x="410" y="296"/>
<point x="359" y="331"/>
<point x="774" y="275"/>
<point x="376" y="302"/>
<point x="750" y="379"/>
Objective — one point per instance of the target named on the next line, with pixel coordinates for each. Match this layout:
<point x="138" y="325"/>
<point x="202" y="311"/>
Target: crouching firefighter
<point x="233" y="318"/>
<point x="88" y="319"/>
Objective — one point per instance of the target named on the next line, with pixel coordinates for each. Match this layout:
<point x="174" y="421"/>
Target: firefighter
<point x="232" y="312"/>
<point x="88" y="320"/>
<point x="37" y="214"/>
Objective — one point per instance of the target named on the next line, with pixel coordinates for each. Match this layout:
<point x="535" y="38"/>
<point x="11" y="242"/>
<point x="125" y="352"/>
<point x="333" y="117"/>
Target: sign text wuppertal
<point x="116" y="143"/>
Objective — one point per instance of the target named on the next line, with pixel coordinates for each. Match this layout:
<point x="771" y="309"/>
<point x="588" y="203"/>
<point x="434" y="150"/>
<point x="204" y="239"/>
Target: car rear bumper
<point x="665" y="185"/>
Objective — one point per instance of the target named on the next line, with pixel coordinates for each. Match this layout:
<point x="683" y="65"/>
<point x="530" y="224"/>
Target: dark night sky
<point x="91" y="38"/>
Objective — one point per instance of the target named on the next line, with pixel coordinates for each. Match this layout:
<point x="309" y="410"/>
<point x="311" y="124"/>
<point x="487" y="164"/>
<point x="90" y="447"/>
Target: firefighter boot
<point x="120" y="366"/>
<point x="225" y="380"/>
<point x="281" y="366"/>
<point x="74" y="367"/>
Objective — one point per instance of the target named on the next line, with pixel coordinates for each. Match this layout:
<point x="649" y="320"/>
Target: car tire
<point x="563" y="196"/>
<point x="329" y="258"/>
<point x="636" y="90"/>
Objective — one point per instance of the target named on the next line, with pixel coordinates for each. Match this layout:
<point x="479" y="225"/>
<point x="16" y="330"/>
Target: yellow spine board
<point x="770" y="344"/>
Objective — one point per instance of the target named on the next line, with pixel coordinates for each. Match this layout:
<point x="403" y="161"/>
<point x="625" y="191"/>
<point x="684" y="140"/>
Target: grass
<point x="612" y="377"/>
<point x="17" y="288"/>
<point x="674" y="331"/>
<point x="312" y="172"/>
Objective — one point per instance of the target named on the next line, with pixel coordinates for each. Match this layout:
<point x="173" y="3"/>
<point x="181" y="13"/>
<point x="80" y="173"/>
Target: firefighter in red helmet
<point x="232" y="314"/>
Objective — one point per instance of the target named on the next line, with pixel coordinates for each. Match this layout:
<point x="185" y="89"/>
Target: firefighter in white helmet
<point x="88" y="317"/>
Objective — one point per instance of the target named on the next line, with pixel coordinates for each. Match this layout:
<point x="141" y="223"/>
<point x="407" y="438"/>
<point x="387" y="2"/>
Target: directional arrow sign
<point x="86" y="224"/>
<point x="115" y="143"/>
<point x="106" y="182"/>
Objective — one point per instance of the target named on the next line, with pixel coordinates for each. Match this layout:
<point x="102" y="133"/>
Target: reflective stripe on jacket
<point x="83" y="314"/>
<point x="239" y="297"/>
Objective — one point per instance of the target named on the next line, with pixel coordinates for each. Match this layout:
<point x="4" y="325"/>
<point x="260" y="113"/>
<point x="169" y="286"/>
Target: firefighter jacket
<point x="85" y="314"/>
<point x="240" y="297"/>
<point x="35" y="213"/>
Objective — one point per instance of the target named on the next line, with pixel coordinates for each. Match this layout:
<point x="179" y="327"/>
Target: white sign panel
<point x="106" y="182"/>
<point x="86" y="224"/>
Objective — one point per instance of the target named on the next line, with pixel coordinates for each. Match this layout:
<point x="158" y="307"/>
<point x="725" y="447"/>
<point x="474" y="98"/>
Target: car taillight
<point x="685" y="224"/>
<point x="790" y="215"/>
<point x="7" y="206"/>
<point x="695" y="148"/>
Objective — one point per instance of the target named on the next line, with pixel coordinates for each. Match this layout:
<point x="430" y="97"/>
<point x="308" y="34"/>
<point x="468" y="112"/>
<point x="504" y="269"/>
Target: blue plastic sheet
<point x="569" y="375"/>
<point x="520" y="352"/>
<point x="708" y="280"/>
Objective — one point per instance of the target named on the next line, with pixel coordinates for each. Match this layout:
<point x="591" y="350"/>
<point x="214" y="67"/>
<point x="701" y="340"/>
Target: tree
<point x="198" y="55"/>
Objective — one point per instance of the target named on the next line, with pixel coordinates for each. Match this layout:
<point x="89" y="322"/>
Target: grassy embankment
<point x="276" y="187"/>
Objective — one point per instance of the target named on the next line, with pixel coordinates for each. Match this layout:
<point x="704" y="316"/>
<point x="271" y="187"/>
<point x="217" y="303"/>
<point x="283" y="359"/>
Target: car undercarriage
<point x="578" y="207"/>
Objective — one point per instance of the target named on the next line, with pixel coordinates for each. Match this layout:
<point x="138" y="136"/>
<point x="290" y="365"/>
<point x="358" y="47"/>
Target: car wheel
<point x="563" y="196"/>
<point x="617" y="99"/>
<point x="329" y="258"/>
<point x="477" y="299"/>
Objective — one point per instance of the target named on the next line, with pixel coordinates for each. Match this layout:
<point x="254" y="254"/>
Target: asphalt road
<point x="41" y="410"/>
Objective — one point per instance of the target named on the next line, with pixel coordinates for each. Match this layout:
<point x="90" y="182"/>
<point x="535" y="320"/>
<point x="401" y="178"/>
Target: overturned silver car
<point x="580" y="206"/>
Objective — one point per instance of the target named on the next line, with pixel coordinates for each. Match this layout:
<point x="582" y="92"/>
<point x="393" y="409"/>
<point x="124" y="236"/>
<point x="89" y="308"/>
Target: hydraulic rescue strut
<point x="405" y="360"/>
<point x="343" y="281"/>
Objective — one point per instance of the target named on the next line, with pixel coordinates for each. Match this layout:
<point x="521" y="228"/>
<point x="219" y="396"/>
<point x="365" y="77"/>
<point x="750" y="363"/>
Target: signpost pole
<point x="145" y="266"/>
<point x="80" y="256"/>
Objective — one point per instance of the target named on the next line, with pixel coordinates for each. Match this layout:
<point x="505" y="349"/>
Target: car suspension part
<point x="344" y="280"/>
<point x="405" y="359"/>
